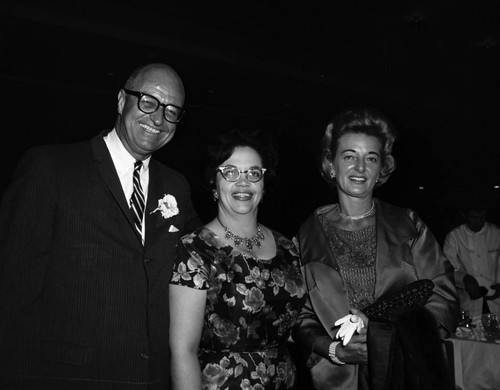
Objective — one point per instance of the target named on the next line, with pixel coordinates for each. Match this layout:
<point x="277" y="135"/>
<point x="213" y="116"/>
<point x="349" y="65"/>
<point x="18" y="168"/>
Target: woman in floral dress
<point x="236" y="287"/>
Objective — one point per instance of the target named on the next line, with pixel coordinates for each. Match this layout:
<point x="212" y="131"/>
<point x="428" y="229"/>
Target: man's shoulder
<point x="493" y="227"/>
<point x="168" y="176"/>
<point x="56" y="151"/>
<point x="166" y="170"/>
<point x="459" y="230"/>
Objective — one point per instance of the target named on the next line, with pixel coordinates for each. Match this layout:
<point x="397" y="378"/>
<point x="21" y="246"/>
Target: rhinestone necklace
<point x="355" y="218"/>
<point x="250" y="242"/>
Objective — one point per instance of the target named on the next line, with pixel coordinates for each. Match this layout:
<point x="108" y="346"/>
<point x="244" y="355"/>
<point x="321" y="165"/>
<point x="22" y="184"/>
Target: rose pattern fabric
<point x="252" y="305"/>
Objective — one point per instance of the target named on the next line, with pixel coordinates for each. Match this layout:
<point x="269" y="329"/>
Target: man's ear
<point x="121" y="101"/>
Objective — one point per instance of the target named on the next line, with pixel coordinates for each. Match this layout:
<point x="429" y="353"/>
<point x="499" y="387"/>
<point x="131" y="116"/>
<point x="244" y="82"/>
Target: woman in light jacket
<point x="359" y="253"/>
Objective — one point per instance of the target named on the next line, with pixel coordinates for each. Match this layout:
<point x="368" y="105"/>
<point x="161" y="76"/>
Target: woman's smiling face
<point x="357" y="164"/>
<point x="241" y="196"/>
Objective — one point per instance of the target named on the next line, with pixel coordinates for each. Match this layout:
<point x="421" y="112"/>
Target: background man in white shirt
<point x="474" y="250"/>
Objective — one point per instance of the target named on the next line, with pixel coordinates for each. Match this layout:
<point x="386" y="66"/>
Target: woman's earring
<point x="216" y="195"/>
<point x="332" y="174"/>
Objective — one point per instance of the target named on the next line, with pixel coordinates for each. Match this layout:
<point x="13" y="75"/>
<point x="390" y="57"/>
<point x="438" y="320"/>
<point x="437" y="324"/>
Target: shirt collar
<point x="472" y="233"/>
<point x="121" y="157"/>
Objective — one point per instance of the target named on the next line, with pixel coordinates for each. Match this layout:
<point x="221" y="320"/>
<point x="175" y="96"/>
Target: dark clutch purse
<point x="412" y="295"/>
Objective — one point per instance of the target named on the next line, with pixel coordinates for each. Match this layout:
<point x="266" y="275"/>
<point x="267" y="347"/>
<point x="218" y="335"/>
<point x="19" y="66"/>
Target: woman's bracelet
<point x="331" y="352"/>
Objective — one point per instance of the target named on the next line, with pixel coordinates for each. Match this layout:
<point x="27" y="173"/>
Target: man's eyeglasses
<point x="232" y="174"/>
<point x="149" y="104"/>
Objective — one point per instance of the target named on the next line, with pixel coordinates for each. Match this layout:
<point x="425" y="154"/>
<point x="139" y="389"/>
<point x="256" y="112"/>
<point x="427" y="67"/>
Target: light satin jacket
<point x="406" y="251"/>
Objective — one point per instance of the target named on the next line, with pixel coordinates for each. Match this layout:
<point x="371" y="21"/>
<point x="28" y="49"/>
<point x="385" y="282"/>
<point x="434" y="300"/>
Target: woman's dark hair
<point x="222" y="146"/>
<point x="358" y="121"/>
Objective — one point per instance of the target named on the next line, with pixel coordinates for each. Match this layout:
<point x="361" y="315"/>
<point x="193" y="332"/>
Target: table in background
<point x="477" y="364"/>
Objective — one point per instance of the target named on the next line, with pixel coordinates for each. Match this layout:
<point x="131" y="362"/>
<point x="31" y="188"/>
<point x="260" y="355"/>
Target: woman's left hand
<point x="356" y="351"/>
<point x="353" y="329"/>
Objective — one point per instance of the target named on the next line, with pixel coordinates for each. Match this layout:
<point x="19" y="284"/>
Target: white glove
<point x="350" y="323"/>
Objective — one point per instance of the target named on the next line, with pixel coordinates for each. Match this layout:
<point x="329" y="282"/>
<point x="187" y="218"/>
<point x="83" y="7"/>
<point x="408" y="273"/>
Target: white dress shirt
<point x="476" y="254"/>
<point x="124" y="165"/>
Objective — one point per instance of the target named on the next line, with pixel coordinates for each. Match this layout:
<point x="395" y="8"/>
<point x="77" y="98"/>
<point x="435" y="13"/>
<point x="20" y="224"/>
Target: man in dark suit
<point x="86" y="251"/>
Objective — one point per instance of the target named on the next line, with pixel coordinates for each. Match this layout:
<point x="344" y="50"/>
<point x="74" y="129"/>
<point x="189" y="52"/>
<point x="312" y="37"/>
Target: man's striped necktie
<point x="137" y="199"/>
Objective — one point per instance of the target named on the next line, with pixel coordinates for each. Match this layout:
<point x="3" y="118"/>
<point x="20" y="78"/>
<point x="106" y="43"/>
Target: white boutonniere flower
<point x="168" y="206"/>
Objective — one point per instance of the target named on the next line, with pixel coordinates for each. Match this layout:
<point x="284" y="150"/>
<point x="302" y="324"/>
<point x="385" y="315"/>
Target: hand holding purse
<point x="386" y="308"/>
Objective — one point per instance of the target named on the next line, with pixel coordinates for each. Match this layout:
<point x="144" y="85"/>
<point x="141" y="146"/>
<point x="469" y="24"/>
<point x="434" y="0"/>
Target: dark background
<point x="430" y="66"/>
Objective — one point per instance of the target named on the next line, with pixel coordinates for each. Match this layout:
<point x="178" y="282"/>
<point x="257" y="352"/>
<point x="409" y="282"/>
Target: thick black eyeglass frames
<point x="149" y="104"/>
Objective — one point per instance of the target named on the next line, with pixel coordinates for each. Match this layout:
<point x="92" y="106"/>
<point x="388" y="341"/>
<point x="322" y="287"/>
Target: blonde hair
<point x="358" y="121"/>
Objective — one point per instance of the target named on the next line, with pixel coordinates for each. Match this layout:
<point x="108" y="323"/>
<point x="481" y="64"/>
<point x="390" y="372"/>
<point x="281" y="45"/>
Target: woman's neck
<point x="244" y="225"/>
<point x="355" y="208"/>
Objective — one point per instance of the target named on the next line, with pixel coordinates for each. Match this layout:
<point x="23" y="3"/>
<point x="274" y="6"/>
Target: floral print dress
<point x="251" y="307"/>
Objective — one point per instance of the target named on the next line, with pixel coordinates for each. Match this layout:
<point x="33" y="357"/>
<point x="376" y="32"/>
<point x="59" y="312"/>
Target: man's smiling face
<point x="141" y="133"/>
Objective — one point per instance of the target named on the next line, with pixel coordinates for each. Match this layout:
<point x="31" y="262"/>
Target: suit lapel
<point x="156" y="190"/>
<point x="106" y="168"/>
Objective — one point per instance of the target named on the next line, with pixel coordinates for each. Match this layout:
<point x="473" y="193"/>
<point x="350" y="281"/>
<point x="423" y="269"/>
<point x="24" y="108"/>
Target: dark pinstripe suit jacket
<point x="83" y="303"/>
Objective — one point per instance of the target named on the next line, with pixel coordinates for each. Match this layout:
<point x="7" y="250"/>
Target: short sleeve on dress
<point x="190" y="269"/>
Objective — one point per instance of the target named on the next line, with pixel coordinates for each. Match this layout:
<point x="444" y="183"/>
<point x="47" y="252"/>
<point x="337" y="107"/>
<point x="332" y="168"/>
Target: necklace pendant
<point x="250" y="242"/>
